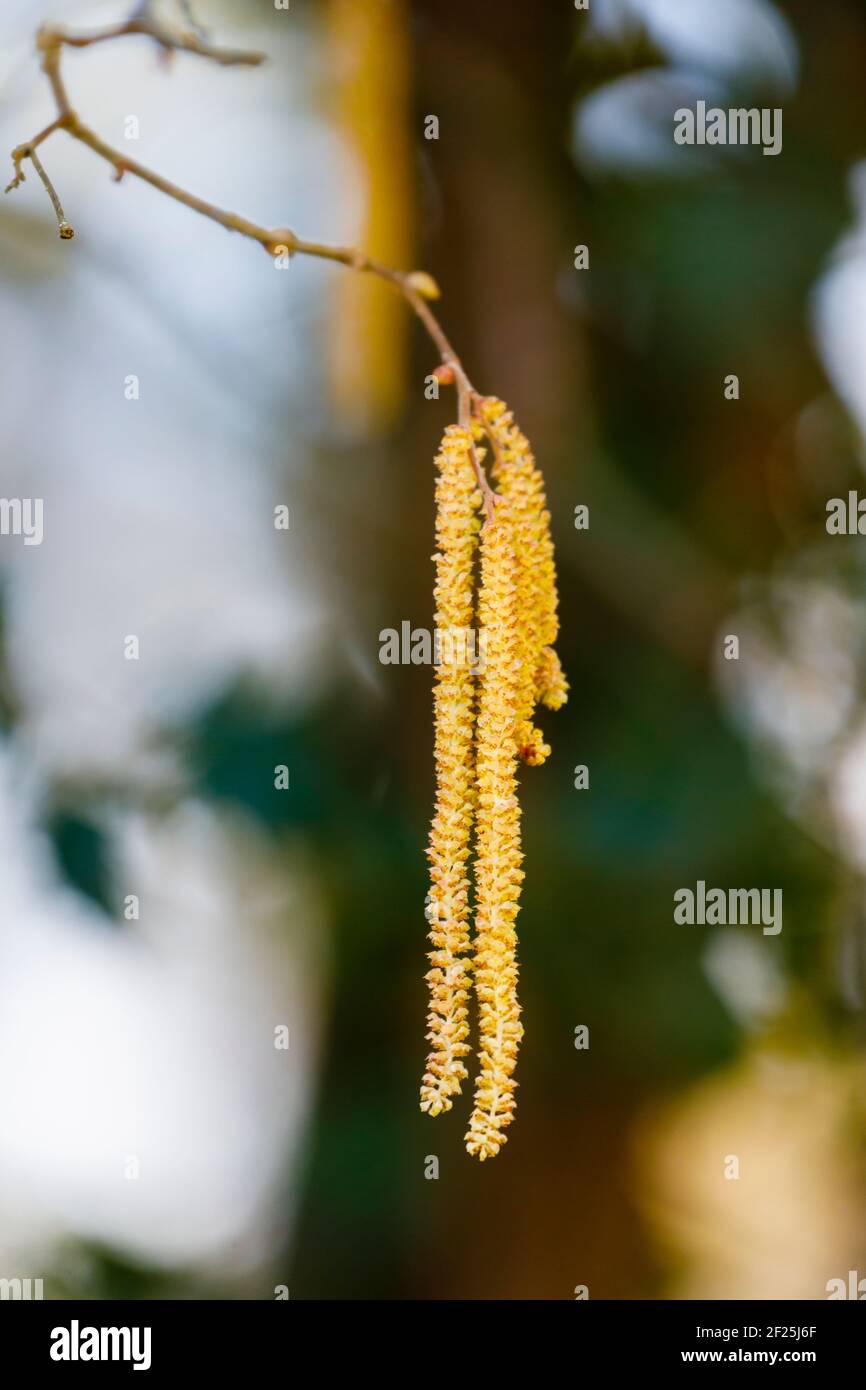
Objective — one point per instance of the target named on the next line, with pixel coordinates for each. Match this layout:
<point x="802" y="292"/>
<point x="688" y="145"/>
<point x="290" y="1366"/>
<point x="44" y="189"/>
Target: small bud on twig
<point x="423" y="284"/>
<point x="444" y="374"/>
<point x="280" y="238"/>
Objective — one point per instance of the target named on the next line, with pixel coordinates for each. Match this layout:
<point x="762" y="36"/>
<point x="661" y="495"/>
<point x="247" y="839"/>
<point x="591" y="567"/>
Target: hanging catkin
<point x="498" y="873"/>
<point x="515" y="471"/>
<point x="448" y="902"/>
<point x="477" y="751"/>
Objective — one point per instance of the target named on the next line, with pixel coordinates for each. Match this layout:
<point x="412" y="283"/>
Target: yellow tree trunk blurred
<point x="368" y="51"/>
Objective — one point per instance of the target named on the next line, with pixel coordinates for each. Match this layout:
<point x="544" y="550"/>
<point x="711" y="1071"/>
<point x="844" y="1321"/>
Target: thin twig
<point x="63" y="226"/>
<point x="144" y="21"/>
<point x="22" y="152"/>
<point x="417" y="287"/>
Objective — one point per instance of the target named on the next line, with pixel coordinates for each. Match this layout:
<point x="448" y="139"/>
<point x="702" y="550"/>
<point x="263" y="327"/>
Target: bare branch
<point x="144" y="21"/>
<point x="417" y="287"/>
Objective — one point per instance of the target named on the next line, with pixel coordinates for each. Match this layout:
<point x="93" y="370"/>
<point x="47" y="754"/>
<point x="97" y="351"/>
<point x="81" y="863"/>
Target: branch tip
<point x="417" y="286"/>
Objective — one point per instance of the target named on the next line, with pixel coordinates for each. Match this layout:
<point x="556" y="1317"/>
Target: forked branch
<point x="417" y="287"/>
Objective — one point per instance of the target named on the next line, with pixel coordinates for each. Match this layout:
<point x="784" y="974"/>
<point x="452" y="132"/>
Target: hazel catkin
<point x="519" y="479"/>
<point x="484" y="726"/>
<point x="454" y="699"/>
<point x="498" y="872"/>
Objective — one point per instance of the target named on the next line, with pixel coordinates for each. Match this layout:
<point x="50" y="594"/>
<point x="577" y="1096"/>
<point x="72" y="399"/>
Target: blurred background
<point x="169" y="917"/>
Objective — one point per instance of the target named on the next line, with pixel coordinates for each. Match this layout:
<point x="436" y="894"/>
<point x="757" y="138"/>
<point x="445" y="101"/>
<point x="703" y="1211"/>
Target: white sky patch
<point x="152" y="1041"/>
<point x="745" y="975"/>
<point x="627" y="125"/>
<point x="839" y="308"/>
<point x="716" y="53"/>
<point x="747" y="39"/>
<point x="848" y="797"/>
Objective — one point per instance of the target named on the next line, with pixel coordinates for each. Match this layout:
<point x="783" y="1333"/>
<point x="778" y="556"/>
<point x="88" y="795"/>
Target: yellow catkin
<point x="552" y="685"/>
<point x="457" y="526"/>
<point x="519" y="480"/>
<point x="498" y="871"/>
